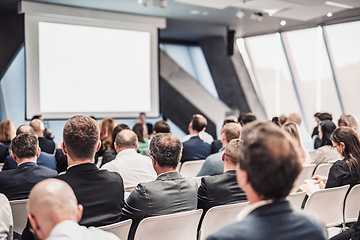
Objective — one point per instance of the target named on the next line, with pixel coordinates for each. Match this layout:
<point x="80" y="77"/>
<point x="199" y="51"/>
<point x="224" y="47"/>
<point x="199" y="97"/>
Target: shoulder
<point x="47" y="171"/>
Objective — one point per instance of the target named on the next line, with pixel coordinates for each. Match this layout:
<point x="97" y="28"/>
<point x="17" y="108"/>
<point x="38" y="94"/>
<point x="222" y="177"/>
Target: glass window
<point x="343" y="42"/>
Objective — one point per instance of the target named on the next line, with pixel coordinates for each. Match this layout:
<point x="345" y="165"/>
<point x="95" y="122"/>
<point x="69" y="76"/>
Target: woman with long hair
<point x="107" y="126"/>
<point x="348" y="121"/>
<point x="7" y="133"/>
<point x="325" y="153"/>
<point x="291" y="128"/>
<point x="140" y="131"/>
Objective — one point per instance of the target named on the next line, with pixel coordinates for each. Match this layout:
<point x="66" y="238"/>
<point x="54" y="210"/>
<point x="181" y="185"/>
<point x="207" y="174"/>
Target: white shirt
<point x="134" y="168"/>
<point x="251" y="207"/>
<point x="67" y="230"/>
<point x="6" y="220"/>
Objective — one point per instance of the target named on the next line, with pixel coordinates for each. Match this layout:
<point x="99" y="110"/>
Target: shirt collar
<point x="251" y="207"/>
<point x="126" y="152"/>
<point x="165" y="173"/>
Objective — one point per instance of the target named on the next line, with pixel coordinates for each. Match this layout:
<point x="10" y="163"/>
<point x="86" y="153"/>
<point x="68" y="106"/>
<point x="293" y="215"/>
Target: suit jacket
<point x="219" y="190"/>
<point x="45" y="160"/>
<point x="61" y="161"/>
<point x="169" y="193"/>
<point x="46" y="145"/>
<point x="274" y="221"/>
<point x="17" y="183"/>
<point x="4" y="152"/>
<point x="195" y="149"/>
<point x="213" y="164"/>
<point x="6" y="219"/>
<point x="99" y="191"/>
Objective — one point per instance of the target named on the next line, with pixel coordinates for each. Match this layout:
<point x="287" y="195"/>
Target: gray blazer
<point x="169" y="193"/>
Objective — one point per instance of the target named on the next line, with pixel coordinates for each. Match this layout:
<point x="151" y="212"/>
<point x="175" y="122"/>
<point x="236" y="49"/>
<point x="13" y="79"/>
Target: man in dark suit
<point x="222" y="189"/>
<point x="45" y="159"/>
<point x="159" y="197"/>
<point x="17" y="183"/>
<point x="45" y="144"/>
<point x="195" y="148"/>
<point x="268" y="166"/>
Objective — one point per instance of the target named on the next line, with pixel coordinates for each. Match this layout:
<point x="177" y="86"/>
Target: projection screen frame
<point x="40" y="12"/>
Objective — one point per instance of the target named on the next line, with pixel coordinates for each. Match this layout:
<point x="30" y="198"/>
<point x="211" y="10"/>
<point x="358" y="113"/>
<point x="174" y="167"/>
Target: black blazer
<point x="4" y="151"/>
<point x="17" y="183"/>
<point x="46" y="145"/>
<point x="219" y="190"/>
<point x="99" y="191"/>
<point x="195" y="149"/>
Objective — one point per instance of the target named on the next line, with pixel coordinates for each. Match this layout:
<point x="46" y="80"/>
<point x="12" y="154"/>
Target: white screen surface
<point x="93" y="69"/>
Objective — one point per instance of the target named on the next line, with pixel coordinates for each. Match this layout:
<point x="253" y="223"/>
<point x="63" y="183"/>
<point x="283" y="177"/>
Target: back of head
<point x="270" y="158"/>
<point x="324" y="116"/>
<point x="199" y="122"/>
<point x="349" y="121"/>
<point x="249" y="117"/>
<point x="7" y="131"/>
<point x="25" y="129"/>
<point x="161" y="127"/>
<point x="232" y="151"/>
<point x="81" y="137"/>
<point x="25" y="145"/>
<point x="37" y="125"/>
<point x="107" y="126"/>
<point x="291" y="128"/>
<point x="327" y="127"/>
<point x="166" y="149"/>
<point x="139" y="129"/>
<point x="282" y="119"/>
<point x="118" y="129"/>
<point x="231" y="131"/>
<point x="294" y="117"/>
<point x="126" y="139"/>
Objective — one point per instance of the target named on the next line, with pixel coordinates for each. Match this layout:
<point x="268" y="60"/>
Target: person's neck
<point x="194" y="132"/>
<point x="76" y="161"/>
<point x="229" y="166"/>
<point x="161" y="170"/>
<point x="124" y="148"/>
<point x="224" y="143"/>
<point x="24" y="160"/>
<point x="39" y="134"/>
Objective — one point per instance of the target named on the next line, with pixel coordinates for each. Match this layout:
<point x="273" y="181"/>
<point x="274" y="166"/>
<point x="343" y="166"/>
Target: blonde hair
<point x="291" y="129"/>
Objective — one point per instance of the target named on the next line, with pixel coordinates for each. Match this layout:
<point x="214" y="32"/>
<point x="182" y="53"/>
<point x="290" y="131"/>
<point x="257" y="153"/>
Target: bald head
<point x="126" y="139"/>
<point x="294" y="117"/>
<point x="50" y="202"/>
<point x="25" y="129"/>
<point x="38" y="127"/>
<point x="198" y="123"/>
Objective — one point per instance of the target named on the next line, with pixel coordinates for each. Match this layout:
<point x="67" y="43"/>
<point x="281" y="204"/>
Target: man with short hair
<point x="54" y="213"/>
<point x="195" y="148"/>
<point x="133" y="167"/>
<point x="45" y="159"/>
<point x="17" y="183"/>
<point x="45" y="144"/>
<point x="169" y="193"/>
<point x="213" y="164"/>
<point x="159" y="127"/>
<point x="268" y="166"/>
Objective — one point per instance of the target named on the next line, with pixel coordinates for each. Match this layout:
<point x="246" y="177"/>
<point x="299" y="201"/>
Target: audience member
<point x="17" y="183"/>
<point x="132" y="166"/>
<point x="282" y="120"/>
<point x="47" y="132"/>
<point x="7" y="133"/>
<point x="216" y="144"/>
<point x="348" y="121"/>
<point x="247" y="118"/>
<point x="325" y="153"/>
<point x="148" y="126"/>
<point x="6" y="220"/>
<point x="159" y="127"/>
<point x="304" y="135"/>
<point x="213" y="164"/>
<point x="100" y="192"/>
<point x="268" y="166"/>
<point x="45" y="159"/>
<point x="61" y="161"/>
<point x="346" y="171"/>
<point x="222" y="189"/>
<point x="106" y="126"/>
<point x="54" y="213"/>
<point x="352" y="232"/>
<point x="141" y="134"/>
<point x="292" y="129"/>
<point x="315" y="131"/>
<point x="319" y="117"/>
<point x="195" y="148"/>
<point x="45" y="144"/>
<point x="169" y="193"/>
<point x="110" y="154"/>
<point x="276" y="121"/>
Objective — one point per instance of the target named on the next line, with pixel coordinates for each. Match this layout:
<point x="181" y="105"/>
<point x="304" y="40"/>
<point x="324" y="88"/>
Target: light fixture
<point x="240" y="14"/>
<point x="257" y="16"/>
<point x="160" y="3"/>
<point x="329" y="14"/>
<point x="340" y="5"/>
<point x="144" y="2"/>
<point x="283" y="23"/>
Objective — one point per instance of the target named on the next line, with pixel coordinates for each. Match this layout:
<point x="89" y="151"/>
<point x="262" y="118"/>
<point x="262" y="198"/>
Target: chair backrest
<point x="18" y="208"/>
<point x="177" y="226"/>
<point x="306" y="173"/>
<point x="328" y="204"/>
<point x="323" y="169"/>
<point x="120" y="229"/>
<point x="352" y="205"/>
<point x="191" y="168"/>
<point x="296" y="199"/>
<point x="218" y="217"/>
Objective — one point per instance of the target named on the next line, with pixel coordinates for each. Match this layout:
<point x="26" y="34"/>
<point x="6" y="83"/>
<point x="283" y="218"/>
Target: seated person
<point x="195" y="148"/>
<point x="7" y="133"/>
<point x="141" y="134"/>
<point x="45" y="159"/>
<point x="352" y="232"/>
<point x="216" y="144"/>
<point x="169" y="193"/>
<point x="6" y="219"/>
<point x="159" y="127"/>
<point x="54" y="213"/>
<point x="17" y="183"/>
<point x="133" y="167"/>
<point x="213" y="164"/>
<point x="267" y="151"/>
<point x="222" y="189"/>
<point x="45" y="144"/>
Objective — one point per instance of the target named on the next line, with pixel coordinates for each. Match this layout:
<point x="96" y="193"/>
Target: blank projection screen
<point x="101" y="67"/>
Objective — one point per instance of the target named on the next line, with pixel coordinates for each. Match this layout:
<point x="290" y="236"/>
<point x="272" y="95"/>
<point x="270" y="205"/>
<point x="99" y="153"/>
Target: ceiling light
<point x="283" y="23"/>
<point x="160" y="3"/>
<point x="340" y="5"/>
<point x="143" y="2"/>
<point x="240" y="14"/>
<point x="329" y="14"/>
<point x="257" y="16"/>
<point x="194" y="12"/>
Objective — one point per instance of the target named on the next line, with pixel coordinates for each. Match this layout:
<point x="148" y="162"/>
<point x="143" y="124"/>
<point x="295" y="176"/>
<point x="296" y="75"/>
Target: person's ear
<point x="136" y="147"/>
<point x="13" y="155"/>
<point x="223" y="156"/>
<point x="153" y="160"/>
<point x="38" y="152"/>
<point x="79" y="214"/>
<point x="98" y="146"/>
<point x="115" y="147"/>
<point x="63" y="148"/>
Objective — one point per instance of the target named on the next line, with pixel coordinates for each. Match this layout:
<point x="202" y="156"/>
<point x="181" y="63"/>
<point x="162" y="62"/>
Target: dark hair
<point x="228" y="121"/>
<point x="36" y="117"/>
<point x="126" y="138"/>
<point x="276" y="121"/>
<point x="198" y="122"/>
<point x="232" y="131"/>
<point x="107" y="126"/>
<point x="138" y="128"/>
<point x="118" y="129"/>
<point x="25" y="145"/>
<point x="324" y="116"/>
<point x="166" y="149"/>
<point x="25" y="129"/>
<point x="249" y="117"/>
<point x="270" y="158"/>
<point x="81" y="136"/>
<point x="327" y="127"/>
<point x="161" y="127"/>
<point x="351" y="140"/>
